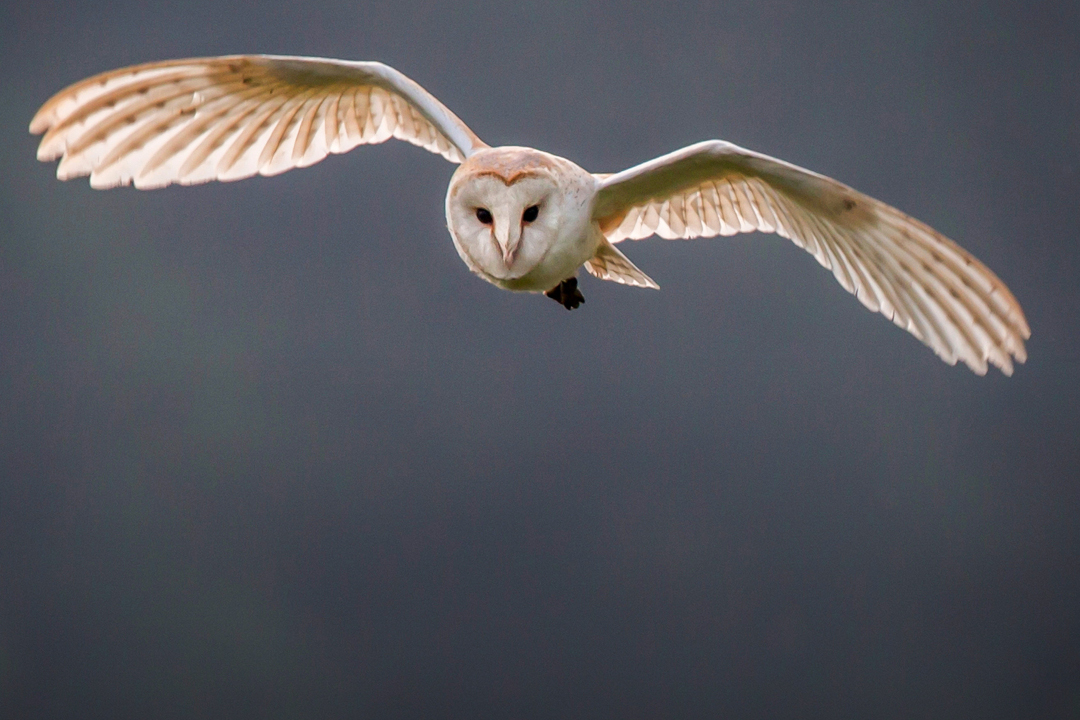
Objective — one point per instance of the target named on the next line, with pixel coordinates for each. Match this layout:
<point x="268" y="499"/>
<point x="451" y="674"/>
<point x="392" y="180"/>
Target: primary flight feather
<point x="520" y="218"/>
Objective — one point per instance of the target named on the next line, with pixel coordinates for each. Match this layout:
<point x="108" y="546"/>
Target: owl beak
<point x="508" y="240"/>
<point x="509" y="253"/>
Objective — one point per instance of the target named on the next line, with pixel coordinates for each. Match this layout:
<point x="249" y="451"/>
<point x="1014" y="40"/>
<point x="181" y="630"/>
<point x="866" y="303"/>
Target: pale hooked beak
<point x="509" y="253"/>
<point x="508" y="236"/>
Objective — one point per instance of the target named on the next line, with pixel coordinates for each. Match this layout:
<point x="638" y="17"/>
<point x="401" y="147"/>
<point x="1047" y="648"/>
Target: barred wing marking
<point x="610" y="264"/>
<point x="894" y="264"/>
<point x="226" y="118"/>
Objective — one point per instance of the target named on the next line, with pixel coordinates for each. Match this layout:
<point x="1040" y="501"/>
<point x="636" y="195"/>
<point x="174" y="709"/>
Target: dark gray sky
<point x="269" y="450"/>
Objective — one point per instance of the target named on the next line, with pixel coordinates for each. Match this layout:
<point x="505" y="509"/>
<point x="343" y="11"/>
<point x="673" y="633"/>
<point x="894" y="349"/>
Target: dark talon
<point x="566" y="294"/>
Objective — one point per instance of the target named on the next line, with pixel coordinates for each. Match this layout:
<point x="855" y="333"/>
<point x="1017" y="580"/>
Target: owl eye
<point x="483" y="215"/>
<point x="530" y="213"/>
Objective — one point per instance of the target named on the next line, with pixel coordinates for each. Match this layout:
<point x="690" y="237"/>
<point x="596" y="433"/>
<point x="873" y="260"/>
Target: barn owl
<point x="523" y="219"/>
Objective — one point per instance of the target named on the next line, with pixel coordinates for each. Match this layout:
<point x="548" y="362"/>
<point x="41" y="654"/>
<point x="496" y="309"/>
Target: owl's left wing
<point x="225" y="118"/>
<point x="895" y="265"/>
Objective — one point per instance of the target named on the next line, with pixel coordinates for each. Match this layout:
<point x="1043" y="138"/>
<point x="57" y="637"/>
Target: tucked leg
<point x="566" y="294"/>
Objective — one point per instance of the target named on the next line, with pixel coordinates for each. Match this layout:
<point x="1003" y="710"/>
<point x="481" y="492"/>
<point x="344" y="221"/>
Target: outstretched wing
<point x="226" y="118"/>
<point x="894" y="264"/>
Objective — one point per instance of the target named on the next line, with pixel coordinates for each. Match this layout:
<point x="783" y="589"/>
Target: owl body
<point x="522" y="218"/>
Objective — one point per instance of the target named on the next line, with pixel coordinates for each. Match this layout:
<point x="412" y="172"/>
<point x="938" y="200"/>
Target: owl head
<point x="508" y="207"/>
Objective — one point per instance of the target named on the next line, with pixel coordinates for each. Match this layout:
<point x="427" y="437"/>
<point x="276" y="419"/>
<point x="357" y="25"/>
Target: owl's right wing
<point x="894" y="264"/>
<point x="226" y="118"/>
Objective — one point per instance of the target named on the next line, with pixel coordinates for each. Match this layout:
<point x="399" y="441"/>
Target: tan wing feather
<point x="610" y="264"/>
<point x="226" y="118"/>
<point x="894" y="264"/>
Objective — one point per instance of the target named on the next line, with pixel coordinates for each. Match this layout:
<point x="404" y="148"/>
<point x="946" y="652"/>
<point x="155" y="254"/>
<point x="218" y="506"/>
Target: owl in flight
<point x="520" y="218"/>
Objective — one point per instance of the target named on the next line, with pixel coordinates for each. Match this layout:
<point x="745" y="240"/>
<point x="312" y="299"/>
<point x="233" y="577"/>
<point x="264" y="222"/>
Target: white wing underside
<point x="227" y="118"/>
<point x="893" y="264"/>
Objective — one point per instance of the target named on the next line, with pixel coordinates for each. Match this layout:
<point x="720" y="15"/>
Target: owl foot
<point x="566" y="294"/>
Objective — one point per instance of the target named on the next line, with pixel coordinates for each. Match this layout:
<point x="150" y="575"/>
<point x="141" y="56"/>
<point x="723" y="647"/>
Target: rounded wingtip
<point x="41" y="122"/>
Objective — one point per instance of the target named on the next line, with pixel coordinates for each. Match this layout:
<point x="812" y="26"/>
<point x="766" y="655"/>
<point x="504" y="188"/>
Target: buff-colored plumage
<point x="227" y="118"/>
<point x="521" y="218"/>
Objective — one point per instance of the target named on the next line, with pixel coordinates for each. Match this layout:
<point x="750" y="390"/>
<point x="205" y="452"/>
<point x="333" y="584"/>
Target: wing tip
<point x="39" y="123"/>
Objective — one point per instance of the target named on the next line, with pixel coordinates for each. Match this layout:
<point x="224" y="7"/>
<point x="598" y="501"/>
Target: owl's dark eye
<point x="483" y="215"/>
<point x="530" y="213"/>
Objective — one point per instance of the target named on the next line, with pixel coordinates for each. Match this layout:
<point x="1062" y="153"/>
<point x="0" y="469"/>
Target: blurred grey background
<point x="270" y="451"/>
